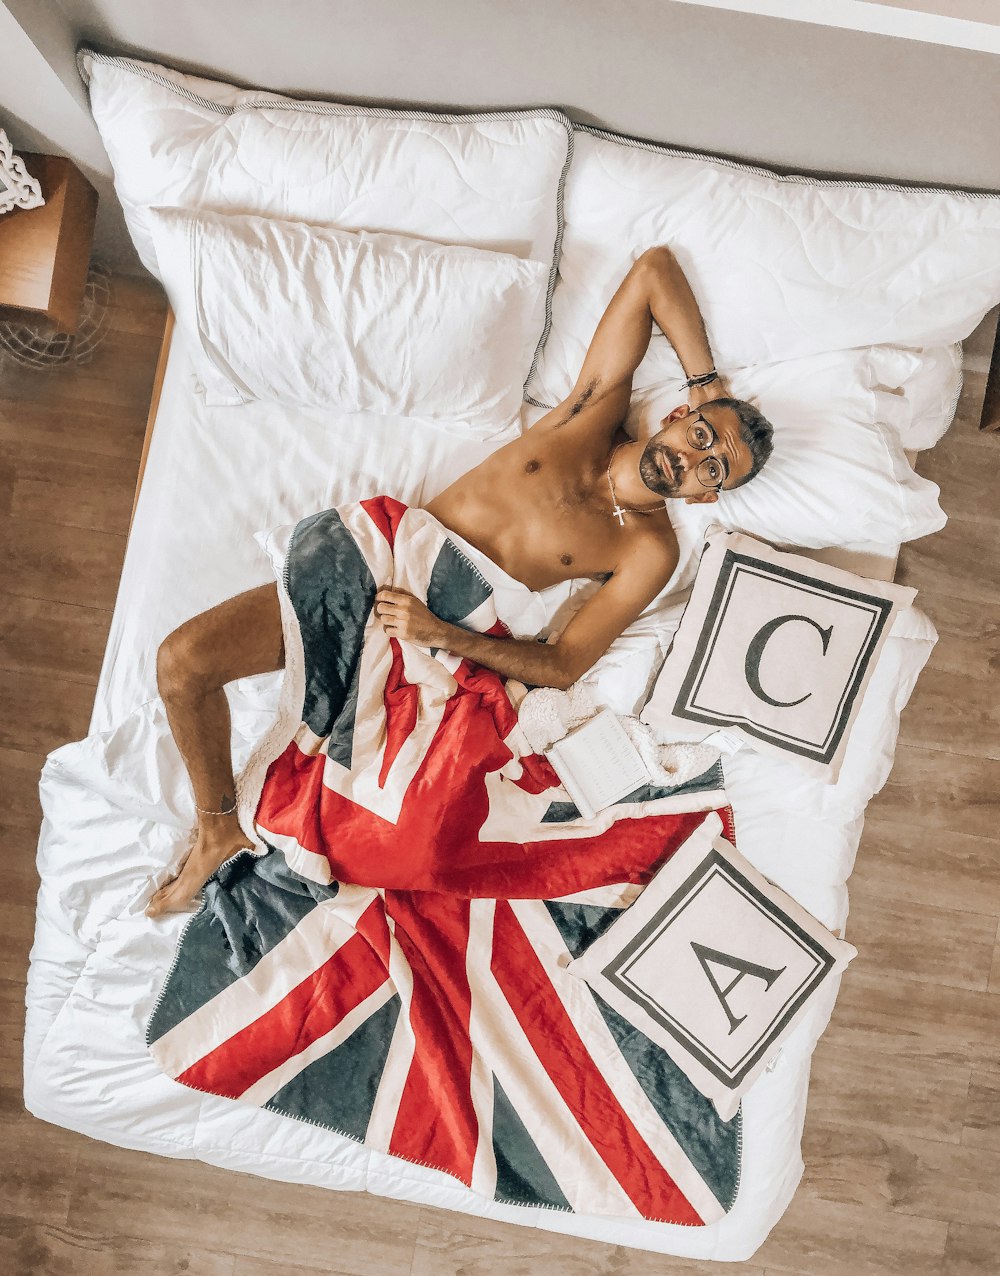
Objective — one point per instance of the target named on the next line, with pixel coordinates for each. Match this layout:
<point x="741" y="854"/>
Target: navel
<point x="567" y="560"/>
<point x="532" y="466"/>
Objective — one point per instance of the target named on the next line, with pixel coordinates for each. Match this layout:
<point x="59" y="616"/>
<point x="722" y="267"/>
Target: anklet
<point x="231" y="811"/>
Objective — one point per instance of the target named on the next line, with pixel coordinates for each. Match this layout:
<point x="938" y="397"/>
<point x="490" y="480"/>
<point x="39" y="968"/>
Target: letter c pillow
<point x="776" y="648"/>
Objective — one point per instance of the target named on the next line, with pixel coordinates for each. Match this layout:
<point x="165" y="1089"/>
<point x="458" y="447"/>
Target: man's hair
<point x="756" y="431"/>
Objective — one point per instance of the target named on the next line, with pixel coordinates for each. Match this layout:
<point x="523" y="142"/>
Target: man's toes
<point x="171" y="896"/>
<point x="157" y="902"/>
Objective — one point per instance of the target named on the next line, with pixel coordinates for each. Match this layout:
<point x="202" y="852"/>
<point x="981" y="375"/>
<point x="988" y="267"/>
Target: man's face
<point x="695" y="453"/>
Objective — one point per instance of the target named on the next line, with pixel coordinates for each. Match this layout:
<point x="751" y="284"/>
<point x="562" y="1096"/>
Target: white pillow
<point x="778" y="649"/>
<point x="318" y="317"/>
<point x="781" y="266"/>
<point x="838" y="474"/>
<point x="491" y="180"/>
<point x="714" y="964"/>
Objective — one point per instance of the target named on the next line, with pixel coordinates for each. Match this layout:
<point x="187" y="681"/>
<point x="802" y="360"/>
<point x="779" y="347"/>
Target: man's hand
<point x="404" y="617"/>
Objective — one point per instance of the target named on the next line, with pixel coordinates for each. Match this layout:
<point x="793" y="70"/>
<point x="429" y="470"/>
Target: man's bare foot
<point x="212" y="848"/>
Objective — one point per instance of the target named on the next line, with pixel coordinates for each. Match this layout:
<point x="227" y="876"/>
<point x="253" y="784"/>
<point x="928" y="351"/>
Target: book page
<point x="598" y="762"/>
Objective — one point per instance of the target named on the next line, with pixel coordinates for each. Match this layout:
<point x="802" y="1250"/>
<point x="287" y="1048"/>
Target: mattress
<point x="216" y="476"/>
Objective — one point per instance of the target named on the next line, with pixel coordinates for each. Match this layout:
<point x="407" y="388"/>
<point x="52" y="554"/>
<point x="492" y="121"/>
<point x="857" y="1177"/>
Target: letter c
<point x="755" y="653"/>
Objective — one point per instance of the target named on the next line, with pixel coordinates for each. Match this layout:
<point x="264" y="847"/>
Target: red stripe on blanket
<point x="537" y="774"/>
<point x="374" y="925"/>
<point x="565" y="1058"/>
<point x="489" y="687"/>
<point x="385" y="513"/>
<point x="435" y="843"/>
<point x="436" y="1122"/>
<point x="402" y="702"/>
<point x="308" y="1012"/>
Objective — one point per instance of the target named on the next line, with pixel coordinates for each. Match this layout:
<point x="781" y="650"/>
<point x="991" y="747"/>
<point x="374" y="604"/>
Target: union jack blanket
<point x="391" y="962"/>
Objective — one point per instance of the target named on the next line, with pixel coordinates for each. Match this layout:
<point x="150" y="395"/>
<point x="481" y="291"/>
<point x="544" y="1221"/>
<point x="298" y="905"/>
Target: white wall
<point x="788" y="93"/>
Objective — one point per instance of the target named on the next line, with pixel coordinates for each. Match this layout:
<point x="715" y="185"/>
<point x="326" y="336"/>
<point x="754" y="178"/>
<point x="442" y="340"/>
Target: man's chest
<point x="544" y="524"/>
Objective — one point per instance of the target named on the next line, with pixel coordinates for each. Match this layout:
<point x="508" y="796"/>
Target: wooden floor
<point x="902" y="1140"/>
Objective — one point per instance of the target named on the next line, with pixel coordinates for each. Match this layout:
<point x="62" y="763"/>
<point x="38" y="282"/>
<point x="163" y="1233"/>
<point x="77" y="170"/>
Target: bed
<point x="222" y="467"/>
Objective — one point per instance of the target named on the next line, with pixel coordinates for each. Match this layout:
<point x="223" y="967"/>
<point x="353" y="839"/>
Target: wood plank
<point x="338" y="1263"/>
<point x="64" y="564"/>
<point x="917" y="1021"/>
<point x="971" y="1251"/>
<point x="877" y="1091"/>
<point x="41" y="1249"/>
<point x="93" y="384"/>
<point x="73" y="487"/>
<point x="42" y="713"/>
<point x="945" y="948"/>
<point x="941" y="715"/>
<point x="817" y="1237"/>
<point x="138" y="306"/>
<point x="39" y="1159"/>
<point x="463" y="1245"/>
<point x="19" y="773"/>
<point x="941" y="791"/>
<point x="964" y="467"/>
<point x="181" y="1201"/>
<point x="52" y="639"/>
<point x="902" y="1173"/>
<point x="960" y="560"/>
<point x="910" y="863"/>
<point x="968" y="635"/>
<point x="100" y="431"/>
<point x="8" y="472"/>
<point x="982" y="1115"/>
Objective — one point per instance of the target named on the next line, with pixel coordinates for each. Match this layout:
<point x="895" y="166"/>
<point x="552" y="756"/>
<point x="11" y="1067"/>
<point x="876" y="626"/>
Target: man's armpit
<point x="576" y="406"/>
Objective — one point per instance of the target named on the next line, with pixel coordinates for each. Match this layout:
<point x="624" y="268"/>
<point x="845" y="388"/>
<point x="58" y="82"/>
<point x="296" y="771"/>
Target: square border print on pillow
<point x="710" y="867"/>
<point x="734" y="563"/>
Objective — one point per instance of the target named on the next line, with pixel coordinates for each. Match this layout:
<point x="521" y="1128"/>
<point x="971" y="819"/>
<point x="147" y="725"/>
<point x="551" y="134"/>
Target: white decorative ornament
<point x="17" y="188"/>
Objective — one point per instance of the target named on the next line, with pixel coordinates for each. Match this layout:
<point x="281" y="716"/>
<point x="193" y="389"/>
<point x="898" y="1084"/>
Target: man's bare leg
<point x="240" y="637"/>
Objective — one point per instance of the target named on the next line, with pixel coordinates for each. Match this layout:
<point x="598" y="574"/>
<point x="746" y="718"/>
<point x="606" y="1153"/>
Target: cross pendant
<point x="619" y="513"/>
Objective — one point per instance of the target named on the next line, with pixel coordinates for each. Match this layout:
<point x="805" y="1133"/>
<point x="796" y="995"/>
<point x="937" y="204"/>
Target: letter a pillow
<point x="776" y="648"/>
<point x="714" y="964"/>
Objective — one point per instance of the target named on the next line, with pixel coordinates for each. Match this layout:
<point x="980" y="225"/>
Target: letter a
<point x="706" y="955"/>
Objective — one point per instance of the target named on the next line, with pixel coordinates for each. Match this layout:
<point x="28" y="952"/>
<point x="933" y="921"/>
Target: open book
<point x="598" y="764"/>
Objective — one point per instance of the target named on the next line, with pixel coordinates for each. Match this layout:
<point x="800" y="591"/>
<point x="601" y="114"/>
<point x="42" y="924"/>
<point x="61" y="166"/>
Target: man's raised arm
<point x="654" y="290"/>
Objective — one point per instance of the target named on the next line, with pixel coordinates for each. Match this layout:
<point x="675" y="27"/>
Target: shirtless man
<point x="572" y="497"/>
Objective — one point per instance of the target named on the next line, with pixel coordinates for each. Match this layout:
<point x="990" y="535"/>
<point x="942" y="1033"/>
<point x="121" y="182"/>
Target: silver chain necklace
<point x="619" y="512"/>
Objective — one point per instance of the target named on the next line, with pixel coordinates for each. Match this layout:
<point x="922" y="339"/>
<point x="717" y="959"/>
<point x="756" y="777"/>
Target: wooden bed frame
<point x="990" y="418"/>
<point x="154" y="404"/>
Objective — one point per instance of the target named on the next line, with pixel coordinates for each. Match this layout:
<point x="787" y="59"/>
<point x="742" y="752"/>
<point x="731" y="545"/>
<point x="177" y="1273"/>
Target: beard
<point x="667" y="481"/>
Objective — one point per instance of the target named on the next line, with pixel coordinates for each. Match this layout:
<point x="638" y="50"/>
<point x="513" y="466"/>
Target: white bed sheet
<point x="214" y="477"/>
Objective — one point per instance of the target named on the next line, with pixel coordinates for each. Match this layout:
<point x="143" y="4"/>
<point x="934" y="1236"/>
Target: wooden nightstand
<point x="45" y="251"/>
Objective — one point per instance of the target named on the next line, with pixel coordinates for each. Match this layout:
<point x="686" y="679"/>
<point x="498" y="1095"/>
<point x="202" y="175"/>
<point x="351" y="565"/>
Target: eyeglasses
<point x="712" y="471"/>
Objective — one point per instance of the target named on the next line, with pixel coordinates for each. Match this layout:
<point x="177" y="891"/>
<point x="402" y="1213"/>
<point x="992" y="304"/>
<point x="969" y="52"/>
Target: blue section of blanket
<point x="711" y="1144"/>
<point x="332" y="591"/>
<point x="708" y="781"/>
